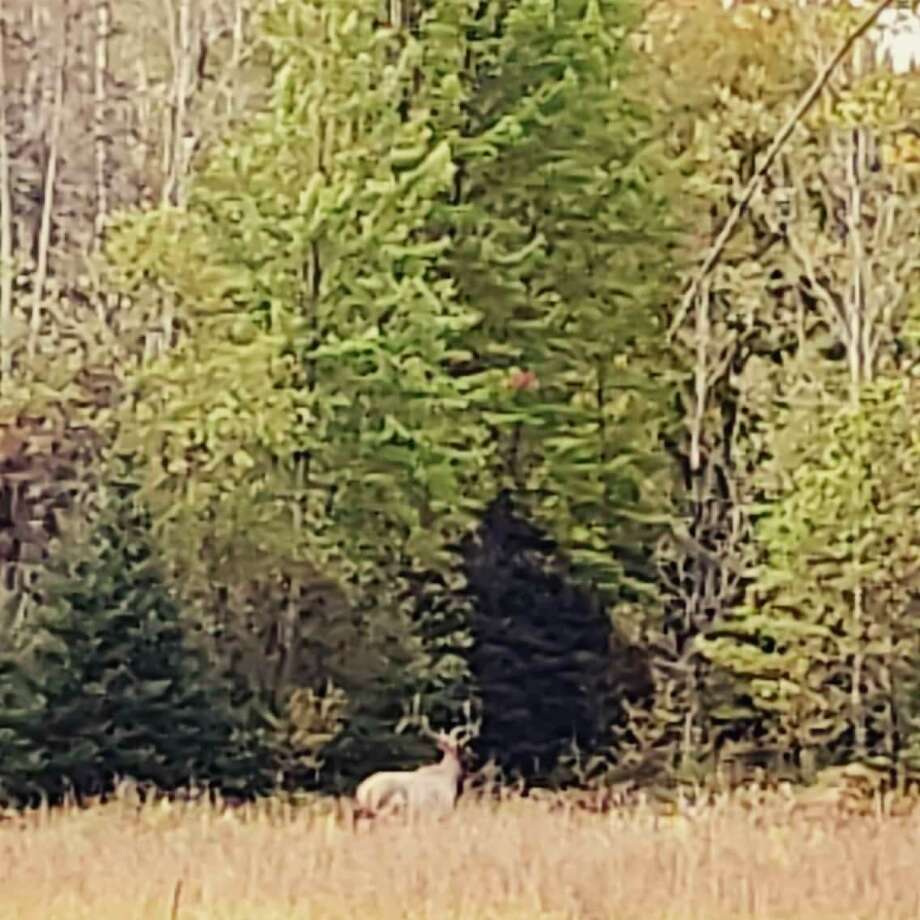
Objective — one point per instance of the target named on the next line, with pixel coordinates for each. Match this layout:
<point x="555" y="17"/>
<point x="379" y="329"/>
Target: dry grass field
<point x="518" y="860"/>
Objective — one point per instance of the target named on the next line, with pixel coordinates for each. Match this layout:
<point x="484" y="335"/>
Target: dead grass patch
<point x="516" y="860"/>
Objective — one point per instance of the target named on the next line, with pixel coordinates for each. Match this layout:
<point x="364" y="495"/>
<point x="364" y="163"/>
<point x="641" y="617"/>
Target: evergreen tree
<point x="548" y="664"/>
<point x="436" y="265"/>
<point x="561" y="241"/>
<point x="106" y="683"/>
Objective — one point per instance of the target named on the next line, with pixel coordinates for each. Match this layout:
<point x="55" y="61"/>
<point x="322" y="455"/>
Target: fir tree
<point x="107" y="683"/>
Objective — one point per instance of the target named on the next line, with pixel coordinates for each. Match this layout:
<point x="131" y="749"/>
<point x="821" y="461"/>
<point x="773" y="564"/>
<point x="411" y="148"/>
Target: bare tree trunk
<point x="103" y="29"/>
<point x="236" y="55"/>
<point x="44" y="241"/>
<point x="182" y="50"/>
<point x="855" y="320"/>
<point x="166" y="166"/>
<point x="6" y="231"/>
<point x="856" y="334"/>
<point x="700" y="378"/>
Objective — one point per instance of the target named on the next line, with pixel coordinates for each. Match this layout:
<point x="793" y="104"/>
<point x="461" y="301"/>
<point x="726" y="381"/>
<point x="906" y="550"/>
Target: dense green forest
<point x="373" y="365"/>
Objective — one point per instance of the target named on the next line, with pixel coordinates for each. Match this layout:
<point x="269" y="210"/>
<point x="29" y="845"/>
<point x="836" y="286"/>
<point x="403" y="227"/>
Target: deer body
<point x="431" y="789"/>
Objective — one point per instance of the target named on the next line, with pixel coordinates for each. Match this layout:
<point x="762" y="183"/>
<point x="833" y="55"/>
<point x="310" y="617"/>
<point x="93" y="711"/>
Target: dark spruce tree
<point x="106" y="684"/>
<point x="549" y="667"/>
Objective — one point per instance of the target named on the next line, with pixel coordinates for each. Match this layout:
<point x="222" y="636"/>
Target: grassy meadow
<point x="515" y="860"/>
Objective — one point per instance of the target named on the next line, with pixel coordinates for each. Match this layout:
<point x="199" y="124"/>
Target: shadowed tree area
<point x="547" y="663"/>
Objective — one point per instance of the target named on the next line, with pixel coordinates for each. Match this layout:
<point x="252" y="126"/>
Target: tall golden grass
<point x="516" y="860"/>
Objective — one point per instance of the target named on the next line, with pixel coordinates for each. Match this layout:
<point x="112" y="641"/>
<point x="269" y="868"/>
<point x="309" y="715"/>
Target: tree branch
<point x="805" y="103"/>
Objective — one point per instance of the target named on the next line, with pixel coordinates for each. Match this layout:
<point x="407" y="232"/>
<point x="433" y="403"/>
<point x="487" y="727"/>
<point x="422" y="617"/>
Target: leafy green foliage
<point x="807" y="310"/>
<point x="827" y="637"/>
<point x="437" y="267"/>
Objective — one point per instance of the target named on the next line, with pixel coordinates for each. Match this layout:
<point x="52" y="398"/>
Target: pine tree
<point x="108" y="685"/>
<point x="561" y="241"/>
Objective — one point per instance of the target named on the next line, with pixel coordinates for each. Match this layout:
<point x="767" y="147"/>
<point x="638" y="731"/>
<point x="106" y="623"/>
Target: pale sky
<point x="896" y="38"/>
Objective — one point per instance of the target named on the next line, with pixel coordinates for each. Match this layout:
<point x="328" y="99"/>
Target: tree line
<point x="349" y="380"/>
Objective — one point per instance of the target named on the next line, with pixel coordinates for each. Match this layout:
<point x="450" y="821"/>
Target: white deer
<point x="429" y="790"/>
